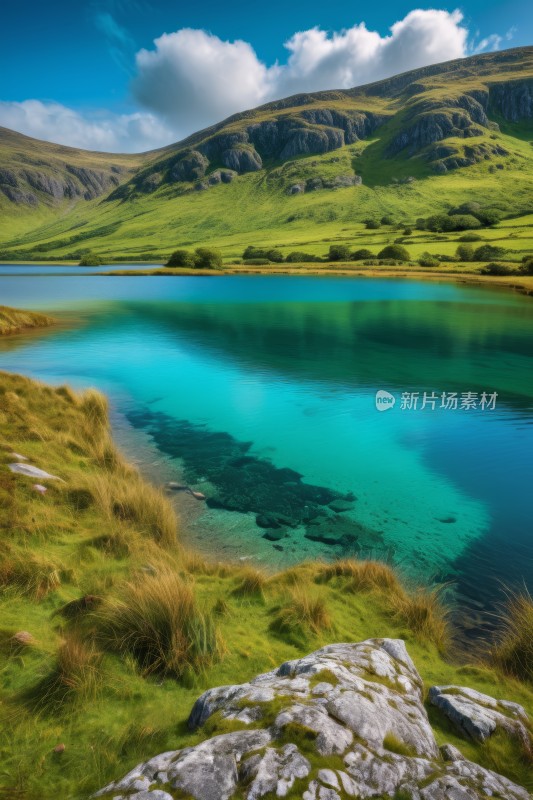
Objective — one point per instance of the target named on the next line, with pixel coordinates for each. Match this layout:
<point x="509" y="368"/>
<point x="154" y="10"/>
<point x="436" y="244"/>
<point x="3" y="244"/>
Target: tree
<point x="91" y="260"/>
<point x="275" y="255"/>
<point x="361" y="255"/>
<point x="181" y="258"/>
<point x="207" y="258"/>
<point x="387" y="220"/>
<point x="488" y="252"/>
<point x="372" y="224"/>
<point x="407" y="231"/>
<point x="527" y="265"/>
<point x="298" y="257"/>
<point x="339" y="252"/>
<point x="395" y="251"/>
<point x="465" y="252"/>
<point x="488" y="217"/>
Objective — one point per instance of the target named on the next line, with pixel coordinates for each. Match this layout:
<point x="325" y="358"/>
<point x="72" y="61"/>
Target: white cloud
<point x="54" y="122"/>
<point x="192" y="79"/>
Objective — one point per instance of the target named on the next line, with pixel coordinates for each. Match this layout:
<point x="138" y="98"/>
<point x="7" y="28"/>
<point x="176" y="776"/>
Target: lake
<point x="261" y="392"/>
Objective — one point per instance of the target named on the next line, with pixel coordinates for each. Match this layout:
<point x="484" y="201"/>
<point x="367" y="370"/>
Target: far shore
<point x="447" y="272"/>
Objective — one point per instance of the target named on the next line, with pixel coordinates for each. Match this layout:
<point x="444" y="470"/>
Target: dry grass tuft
<point x="28" y="574"/>
<point x="425" y="613"/>
<point x="362" y="575"/>
<point x="306" y="613"/>
<point x="158" y="622"/>
<point x="514" y="651"/>
<point x="253" y="583"/>
<point x="76" y="675"/>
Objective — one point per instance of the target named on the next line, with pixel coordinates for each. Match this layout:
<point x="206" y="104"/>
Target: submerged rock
<point x="345" y="721"/>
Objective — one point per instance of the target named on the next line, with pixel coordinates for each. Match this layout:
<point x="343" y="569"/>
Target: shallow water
<point x="262" y="390"/>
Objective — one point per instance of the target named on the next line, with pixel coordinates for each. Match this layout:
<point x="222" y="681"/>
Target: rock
<point x="18" y="457"/>
<point x="23" y="638"/>
<point x="190" y="166"/>
<point x="513" y="100"/>
<point x="38" y="487"/>
<point x="345" y="721"/>
<point x="242" y="159"/>
<point x="296" y="188"/>
<point x="275" y="535"/>
<point x="340" y="505"/>
<point x="477" y="716"/>
<point x="30" y="471"/>
<point x="59" y="748"/>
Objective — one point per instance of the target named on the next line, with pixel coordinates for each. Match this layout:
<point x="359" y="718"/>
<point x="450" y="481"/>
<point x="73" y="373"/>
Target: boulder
<point x="347" y="721"/>
<point x="29" y="471"/>
<point x="242" y="159"/>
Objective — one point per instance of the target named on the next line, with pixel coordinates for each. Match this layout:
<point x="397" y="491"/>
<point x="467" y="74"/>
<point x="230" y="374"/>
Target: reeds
<point x="514" y="651"/>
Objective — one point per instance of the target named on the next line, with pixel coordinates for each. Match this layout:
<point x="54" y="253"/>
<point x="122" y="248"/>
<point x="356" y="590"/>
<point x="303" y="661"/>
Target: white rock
<point x="30" y="471"/>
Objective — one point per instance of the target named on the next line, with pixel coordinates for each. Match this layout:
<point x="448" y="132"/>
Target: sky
<point x="132" y="75"/>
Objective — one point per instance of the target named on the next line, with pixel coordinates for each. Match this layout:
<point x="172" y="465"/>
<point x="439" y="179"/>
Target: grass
<point x="13" y="320"/>
<point x="125" y="624"/>
<point x="514" y="651"/>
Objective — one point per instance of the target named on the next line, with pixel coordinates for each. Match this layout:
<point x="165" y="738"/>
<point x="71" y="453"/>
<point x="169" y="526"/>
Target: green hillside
<point x="300" y="173"/>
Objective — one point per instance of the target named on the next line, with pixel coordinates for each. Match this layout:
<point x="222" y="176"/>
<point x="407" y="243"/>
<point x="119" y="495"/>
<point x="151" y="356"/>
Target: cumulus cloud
<point x="54" y="122"/>
<point x="191" y="79"/>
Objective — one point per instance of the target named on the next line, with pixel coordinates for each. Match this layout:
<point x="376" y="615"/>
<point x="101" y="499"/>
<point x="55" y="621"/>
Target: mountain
<point x="413" y="144"/>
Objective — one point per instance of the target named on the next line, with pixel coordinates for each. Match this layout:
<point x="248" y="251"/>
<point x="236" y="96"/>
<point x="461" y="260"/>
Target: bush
<point x="360" y="255"/>
<point x="181" y="258"/>
<point x="338" y="252"/>
<point x="257" y="252"/>
<point x="207" y="258"/>
<point x="470" y="237"/>
<point x="387" y="220"/>
<point x="91" y="260"/>
<point x="444" y="223"/>
<point x="394" y="251"/>
<point x="372" y="224"/>
<point x="470" y="207"/>
<point x="298" y="257"/>
<point x="465" y="252"/>
<point x="488" y="252"/>
<point x="428" y="260"/>
<point x="407" y="231"/>
<point x="495" y="268"/>
<point x="256" y="262"/>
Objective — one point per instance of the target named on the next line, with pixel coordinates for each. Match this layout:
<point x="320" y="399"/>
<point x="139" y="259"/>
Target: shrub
<point x="488" y="217"/>
<point x="181" y="258"/>
<point x="387" y="220"/>
<point x="470" y="237"/>
<point x="338" y="252"/>
<point x="91" y="260"/>
<point x="488" y="252"/>
<point x="156" y="620"/>
<point x="298" y="257"/>
<point x="207" y="258"/>
<point x="360" y="255"/>
<point x="257" y="252"/>
<point x="465" y="252"/>
<point x="256" y="262"/>
<point x="428" y="260"/>
<point x="471" y="207"/>
<point x="407" y="231"/>
<point x="395" y="251"/>
<point x="496" y="268"/>
<point x="514" y="651"/>
<point x="372" y="224"/>
<point x="443" y="223"/>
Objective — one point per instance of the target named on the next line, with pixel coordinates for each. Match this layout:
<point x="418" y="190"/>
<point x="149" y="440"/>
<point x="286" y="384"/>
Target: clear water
<point x="262" y="390"/>
<point x="62" y="269"/>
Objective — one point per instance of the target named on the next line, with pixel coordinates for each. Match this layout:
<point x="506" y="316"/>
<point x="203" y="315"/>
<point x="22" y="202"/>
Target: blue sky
<point x="102" y="73"/>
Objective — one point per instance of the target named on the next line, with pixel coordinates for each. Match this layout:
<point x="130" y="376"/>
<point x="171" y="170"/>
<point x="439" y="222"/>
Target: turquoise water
<point x="262" y="391"/>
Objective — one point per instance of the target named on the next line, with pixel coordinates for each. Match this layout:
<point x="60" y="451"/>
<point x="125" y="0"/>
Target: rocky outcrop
<point x="78" y="182"/>
<point x="345" y="721"/>
<point x="242" y="159"/>
<point x="19" y="197"/>
<point x="94" y="182"/>
<point x="513" y="100"/>
<point x="190" y="166"/>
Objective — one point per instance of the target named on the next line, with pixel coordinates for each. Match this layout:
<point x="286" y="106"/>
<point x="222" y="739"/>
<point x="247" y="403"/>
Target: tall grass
<point x="514" y="650"/>
<point x="75" y="676"/>
<point x="305" y="614"/>
<point x="156" y="620"/>
<point x="425" y="613"/>
<point x="28" y="573"/>
<point x="253" y="583"/>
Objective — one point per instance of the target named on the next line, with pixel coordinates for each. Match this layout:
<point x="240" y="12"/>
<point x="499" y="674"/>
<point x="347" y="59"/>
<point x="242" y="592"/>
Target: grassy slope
<point x="13" y="320"/>
<point x="102" y="526"/>
<point x="256" y="209"/>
